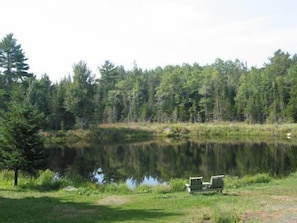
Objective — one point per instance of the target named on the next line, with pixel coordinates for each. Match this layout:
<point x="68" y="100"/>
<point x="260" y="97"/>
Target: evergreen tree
<point x="79" y="97"/>
<point x="21" y="148"/>
<point x="13" y="64"/>
<point x="107" y="96"/>
<point x="60" y="117"/>
<point x="40" y="93"/>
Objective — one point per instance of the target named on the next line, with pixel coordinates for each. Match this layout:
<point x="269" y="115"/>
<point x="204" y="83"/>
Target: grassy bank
<point x="212" y="129"/>
<point x="133" y="131"/>
<point x="251" y="199"/>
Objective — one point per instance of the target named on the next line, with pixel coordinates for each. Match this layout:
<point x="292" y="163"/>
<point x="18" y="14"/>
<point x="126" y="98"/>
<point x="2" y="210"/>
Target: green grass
<point x="256" y="198"/>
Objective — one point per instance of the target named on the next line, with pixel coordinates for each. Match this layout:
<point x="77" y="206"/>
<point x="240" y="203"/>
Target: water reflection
<point x="164" y="160"/>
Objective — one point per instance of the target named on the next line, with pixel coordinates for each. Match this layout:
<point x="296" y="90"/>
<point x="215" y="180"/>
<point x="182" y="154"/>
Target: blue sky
<point x="55" y="34"/>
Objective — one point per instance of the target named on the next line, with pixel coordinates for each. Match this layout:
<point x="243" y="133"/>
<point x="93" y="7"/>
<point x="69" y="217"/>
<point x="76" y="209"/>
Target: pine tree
<point x="79" y="96"/>
<point x="13" y="64"/>
<point x="21" y="148"/>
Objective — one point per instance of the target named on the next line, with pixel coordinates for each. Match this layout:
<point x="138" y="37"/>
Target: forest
<point x="221" y="91"/>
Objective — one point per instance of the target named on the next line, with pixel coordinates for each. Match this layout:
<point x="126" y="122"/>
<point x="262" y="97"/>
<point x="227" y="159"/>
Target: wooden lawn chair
<point x="195" y="184"/>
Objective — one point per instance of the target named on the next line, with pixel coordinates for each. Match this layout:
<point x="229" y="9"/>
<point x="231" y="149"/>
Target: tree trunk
<point x="16" y="173"/>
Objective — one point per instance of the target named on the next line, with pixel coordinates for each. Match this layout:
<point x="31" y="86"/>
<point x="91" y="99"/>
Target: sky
<point x="56" y="34"/>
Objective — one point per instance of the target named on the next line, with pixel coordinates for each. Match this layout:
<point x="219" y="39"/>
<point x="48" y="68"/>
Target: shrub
<point x="123" y="189"/>
<point x="87" y="191"/>
<point x="293" y="175"/>
<point x="262" y="178"/>
<point x="177" y="185"/>
<point x="110" y="188"/>
<point x="75" y="179"/>
<point x="143" y="188"/>
<point x="47" y="179"/>
<point x="226" y="217"/>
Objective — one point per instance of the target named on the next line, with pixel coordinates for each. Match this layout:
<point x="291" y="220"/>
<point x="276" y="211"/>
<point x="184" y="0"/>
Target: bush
<point x="143" y="188"/>
<point x="87" y="191"/>
<point x="293" y="175"/>
<point x="47" y="179"/>
<point x="177" y="185"/>
<point x="262" y="178"/>
<point x="110" y="188"/>
<point x="223" y="217"/>
<point x="123" y="189"/>
<point x="75" y="179"/>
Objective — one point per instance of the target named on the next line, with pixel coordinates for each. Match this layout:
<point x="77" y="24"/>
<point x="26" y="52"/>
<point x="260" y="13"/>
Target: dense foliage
<point x="21" y="147"/>
<point x="221" y="91"/>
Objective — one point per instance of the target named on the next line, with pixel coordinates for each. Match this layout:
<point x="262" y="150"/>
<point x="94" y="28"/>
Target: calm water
<point x="158" y="161"/>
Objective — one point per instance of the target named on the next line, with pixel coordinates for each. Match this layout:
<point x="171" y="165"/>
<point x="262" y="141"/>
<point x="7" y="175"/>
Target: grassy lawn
<point x="275" y="201"/>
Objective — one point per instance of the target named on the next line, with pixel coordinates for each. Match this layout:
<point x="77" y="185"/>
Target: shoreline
<point x="129" y="132"/>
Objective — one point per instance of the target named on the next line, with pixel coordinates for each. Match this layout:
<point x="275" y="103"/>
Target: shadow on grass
<point x="32" y="187"/>
<point x="211" y="194"/>
<point x="55" y="210"/>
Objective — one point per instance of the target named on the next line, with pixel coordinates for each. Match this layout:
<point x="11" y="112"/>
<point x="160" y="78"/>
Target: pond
<point x="158" y="161"/>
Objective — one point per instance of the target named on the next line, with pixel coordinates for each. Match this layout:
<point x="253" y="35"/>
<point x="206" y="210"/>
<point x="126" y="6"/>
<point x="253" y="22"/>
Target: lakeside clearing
<point x="249" y="200"/>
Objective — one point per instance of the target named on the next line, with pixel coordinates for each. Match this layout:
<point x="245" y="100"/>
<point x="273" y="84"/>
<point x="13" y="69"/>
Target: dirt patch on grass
<point x="113" y="200"/>
<point x="284" y="198"/>
<point x="71" y="212"/>
<point x="276" y="209"/>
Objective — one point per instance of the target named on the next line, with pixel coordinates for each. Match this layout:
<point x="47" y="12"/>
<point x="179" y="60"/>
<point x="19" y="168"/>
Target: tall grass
<point x="223" y="216"/>
<point x="48" y="180"/>
<point x="236" y="182"/>
<point x="6" y="178"/>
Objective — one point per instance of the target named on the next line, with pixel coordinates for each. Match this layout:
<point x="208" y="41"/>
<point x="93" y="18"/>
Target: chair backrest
<point x="196" y="183"/>
<point x="217" y="181"/>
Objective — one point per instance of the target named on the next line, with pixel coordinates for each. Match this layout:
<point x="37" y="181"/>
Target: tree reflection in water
<point x="161" y="161"/>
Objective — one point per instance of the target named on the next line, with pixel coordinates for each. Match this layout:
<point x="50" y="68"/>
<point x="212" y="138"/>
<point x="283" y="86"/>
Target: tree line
<point x="221" y="91"/>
